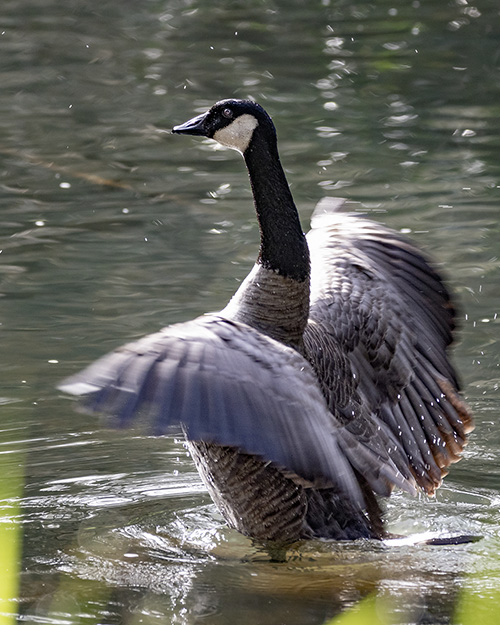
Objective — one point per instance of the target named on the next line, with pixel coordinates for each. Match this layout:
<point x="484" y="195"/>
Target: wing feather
<point x="376" y="301"/>
<point x="226" y="383"/>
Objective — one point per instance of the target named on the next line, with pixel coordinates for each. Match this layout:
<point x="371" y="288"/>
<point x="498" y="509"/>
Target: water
<point x="110" y="229"/>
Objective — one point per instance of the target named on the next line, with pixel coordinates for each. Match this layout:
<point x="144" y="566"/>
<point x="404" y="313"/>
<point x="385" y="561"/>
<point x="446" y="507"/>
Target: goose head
<point x="232" y="123"/>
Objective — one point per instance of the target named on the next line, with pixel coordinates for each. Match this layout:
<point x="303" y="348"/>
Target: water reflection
<point x="149" y="543"/>
<point x="109" y="230"/>
<point x="191" y="567"/>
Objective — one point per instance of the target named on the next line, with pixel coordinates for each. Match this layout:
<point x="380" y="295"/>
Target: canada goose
<point x="323" y="383"/>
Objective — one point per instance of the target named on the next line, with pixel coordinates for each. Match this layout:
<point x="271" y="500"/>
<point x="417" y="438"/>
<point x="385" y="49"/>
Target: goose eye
<point x="227" y="113"/>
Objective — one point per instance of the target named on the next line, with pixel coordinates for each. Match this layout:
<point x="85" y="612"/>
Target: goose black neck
<point x="283" y="246"/>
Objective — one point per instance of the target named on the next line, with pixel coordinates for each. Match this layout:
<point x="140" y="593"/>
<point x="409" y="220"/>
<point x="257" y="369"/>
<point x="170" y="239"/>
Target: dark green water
<point x="110" y="229"/>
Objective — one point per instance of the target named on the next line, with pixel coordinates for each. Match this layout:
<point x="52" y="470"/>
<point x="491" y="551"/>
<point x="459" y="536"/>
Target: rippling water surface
<point x="110" y="228"/>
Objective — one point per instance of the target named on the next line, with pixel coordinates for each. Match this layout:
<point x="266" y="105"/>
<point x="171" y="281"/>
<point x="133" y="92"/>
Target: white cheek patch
<point x="238" y="134"/>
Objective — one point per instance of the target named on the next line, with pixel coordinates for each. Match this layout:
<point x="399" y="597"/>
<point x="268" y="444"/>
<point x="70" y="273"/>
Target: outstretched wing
<point x="226" y="383"/>
<point x="380" y="324"/>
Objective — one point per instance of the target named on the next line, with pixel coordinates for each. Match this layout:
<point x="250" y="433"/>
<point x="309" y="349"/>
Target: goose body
<point x="324" y="382"/>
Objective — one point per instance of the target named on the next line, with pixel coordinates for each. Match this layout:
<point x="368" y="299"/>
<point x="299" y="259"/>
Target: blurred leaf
<point x="369" y="611"/>
<point x="474" y="608"/>
<point x="11" y="487"/>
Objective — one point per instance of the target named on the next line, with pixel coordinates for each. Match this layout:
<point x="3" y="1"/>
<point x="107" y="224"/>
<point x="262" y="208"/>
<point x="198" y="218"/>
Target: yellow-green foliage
<point x="369" y="611"/>
<point x="11" y="486"/>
